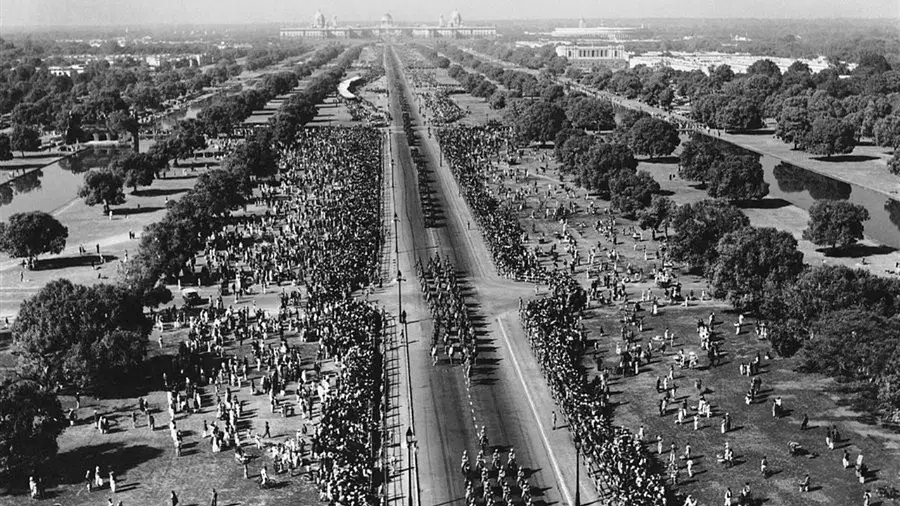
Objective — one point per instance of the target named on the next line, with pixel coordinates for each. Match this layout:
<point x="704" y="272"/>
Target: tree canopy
<point x="653" y="137"/>
<point x="632" y="192"/>
<point x="829" y="136"/>
<point x="103" y="186"/>
<point x="536" y="120"/>
<point x="698" y="228"/>
<point x="751" y="261"/>
<point x="27" y="235"/>
<point x="602" y="161"/>
<point x="80" y="336"/>
<point x="32" y="419"/>
<point x="658" y="214"/>
<point x="737" y="177"/>
<point x="835" y="223"/>
<point x="24" y="138"/>
<point x="5" y="148"/>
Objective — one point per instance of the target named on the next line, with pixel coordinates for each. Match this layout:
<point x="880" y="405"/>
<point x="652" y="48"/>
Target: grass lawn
<point x="756" y="432"/>
<point x="144" y="461"/>
<point x="88" y="226"/>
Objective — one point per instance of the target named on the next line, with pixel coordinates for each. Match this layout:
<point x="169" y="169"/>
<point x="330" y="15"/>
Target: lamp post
<point x="409" y="445"/>
<point x="577" y="471"/>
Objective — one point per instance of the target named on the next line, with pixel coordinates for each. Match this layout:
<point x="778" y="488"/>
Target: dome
<point x="387" y="19"/>
<point x="319" y="20"/>
<point x="441" y="21"/>
<point x="455" y="19"/>
<point x="334" y="21"/>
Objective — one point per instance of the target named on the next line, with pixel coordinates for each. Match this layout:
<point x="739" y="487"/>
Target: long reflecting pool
<point x="802" y="187"/>
<point x="49" y="188"/>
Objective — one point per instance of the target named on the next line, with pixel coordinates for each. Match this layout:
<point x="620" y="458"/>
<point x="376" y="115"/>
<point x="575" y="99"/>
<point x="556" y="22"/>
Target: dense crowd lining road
<point x="449" y="413"/>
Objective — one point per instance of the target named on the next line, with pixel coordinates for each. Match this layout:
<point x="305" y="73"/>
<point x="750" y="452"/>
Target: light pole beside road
<point x="409" y="446"/>
<point x="577" y="471"/>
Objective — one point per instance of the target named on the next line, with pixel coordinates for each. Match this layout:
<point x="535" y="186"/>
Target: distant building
<point x="454" y="29"/>
<point x="70" y="70"/>
<point x="610" y="33"/>
<point x="739" y="62"/>
<point x="587" y="56"/>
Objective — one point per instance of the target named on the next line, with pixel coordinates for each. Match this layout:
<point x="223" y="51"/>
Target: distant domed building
<point x="455" y="19"/>
<point x="451" y="28"/>
<point x="582" y="24"/>
<point x="318" y="20"/>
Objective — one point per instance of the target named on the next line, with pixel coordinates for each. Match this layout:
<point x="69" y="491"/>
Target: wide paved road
<point x="508" y="395"/>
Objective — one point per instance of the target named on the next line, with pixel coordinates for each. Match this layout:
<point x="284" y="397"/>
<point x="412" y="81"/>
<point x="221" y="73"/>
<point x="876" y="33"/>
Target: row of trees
<point x="728" y="172"/>
<point x="821" y="113"/>
<point x="106" y="185"/>
<point x="94" y="338"/>
<point x="112" y="97"/>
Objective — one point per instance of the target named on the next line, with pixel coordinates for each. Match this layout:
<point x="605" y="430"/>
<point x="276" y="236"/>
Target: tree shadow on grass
<point x="769" y="203"/>
<point x="856" y="251"/>
<point x="71" y="465"/>
<point x="49" y="264"/>
<point x="662" y="160"/>
<point x="160" y="192"/>
<point x="845" y="158"/>
<point x="136" y="210"/>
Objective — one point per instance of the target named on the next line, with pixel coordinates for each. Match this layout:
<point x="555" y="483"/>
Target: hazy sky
<point x="112" y="12"/>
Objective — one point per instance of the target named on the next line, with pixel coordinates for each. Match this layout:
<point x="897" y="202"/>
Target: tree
<point x="894" y="163"/>
<point x="698" y="228"/>
<point x="5" y="148"/>
<point x="632" y="192"/>
<point x="658" y="214"/>
<point x="24" y="139"/>
<point x="752" y="261"/>
<point x="255" y="156"/>
<point x="653" y="137"/>
<point x="497" y="100"/>
<point x="826" y="288"/>
<point x="854" y="345"/>
<point x="123" y="121"/>
<point x="103" y="185"/>
<point x="601" y="162"/>
<point x="829" y="136"/>
<point x="737" y="177"/>
<point x="27" y="235"/>
<point x="767" y="68"/>
<point x="591" y="114"/>
<point x="793" y="121"/>
<point x="186" y="138"/>
<point x="219" y="191"/>
<point x="697" y="157"/>
<point x="835" y="223"/>
<point x="137" y="169"/>
<point x="887" y="131"/>
<point x="738" y="113"/>
<point x="87" y="337"/>
<point x="536" y="121"/>
<point x="32" y="419"/>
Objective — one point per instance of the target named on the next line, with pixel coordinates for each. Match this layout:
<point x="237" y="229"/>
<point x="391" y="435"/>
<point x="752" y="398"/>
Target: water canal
<point x="802" y="187"/>
<point x="49" y="188"/>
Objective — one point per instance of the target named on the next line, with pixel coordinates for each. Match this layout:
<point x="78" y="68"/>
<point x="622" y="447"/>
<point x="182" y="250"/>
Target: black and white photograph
<point x="422" y="253"/>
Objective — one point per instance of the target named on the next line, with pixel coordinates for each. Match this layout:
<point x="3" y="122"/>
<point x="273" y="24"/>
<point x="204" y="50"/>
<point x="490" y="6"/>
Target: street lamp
<point x="409" y="445"/>
<point x="577" y="471"/>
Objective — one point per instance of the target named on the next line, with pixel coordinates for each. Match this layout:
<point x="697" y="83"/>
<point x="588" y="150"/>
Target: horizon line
<point x="508" y="20"/>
